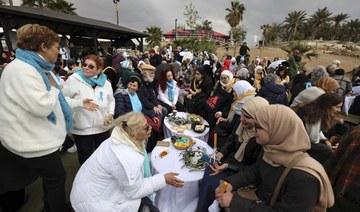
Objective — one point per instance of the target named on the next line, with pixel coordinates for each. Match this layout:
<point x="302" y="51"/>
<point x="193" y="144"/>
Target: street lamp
<point x="116" y="2"/>
<point x="175" y="28"/>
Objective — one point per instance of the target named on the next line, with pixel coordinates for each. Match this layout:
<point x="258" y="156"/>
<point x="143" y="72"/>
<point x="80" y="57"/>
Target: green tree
<point x="275" y="32"/>
<point x="295" y="64"/>
<point x="265" y="32"/>
<point x="191" y="16"/>
<point x="196" y="44"/>
<point x="234" y="17"/>
<point x="320" y="17"/>
<point x="239" y="34"/>
<point x="352" y="30"/>
<point x="293" y="22"/>
<point x="155" y="35"/>
<point x="54" y="5"/>
<point x="337" y="24"/>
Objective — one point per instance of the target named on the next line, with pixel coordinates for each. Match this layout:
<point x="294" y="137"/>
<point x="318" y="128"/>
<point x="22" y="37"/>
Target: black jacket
<point x="274" y="93"/>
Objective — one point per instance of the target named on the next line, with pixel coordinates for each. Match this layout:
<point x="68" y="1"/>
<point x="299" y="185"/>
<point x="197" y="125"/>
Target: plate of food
<point x="163" y="153"/>
<point x="193" y="158"/>
<point x="177" y="121"/>
<point x="199" y="128"/>
<point x="181" y="142"/>
<point x="193" y="118"/>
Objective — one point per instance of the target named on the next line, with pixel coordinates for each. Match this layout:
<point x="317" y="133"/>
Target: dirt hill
<point x="347" y="62"/>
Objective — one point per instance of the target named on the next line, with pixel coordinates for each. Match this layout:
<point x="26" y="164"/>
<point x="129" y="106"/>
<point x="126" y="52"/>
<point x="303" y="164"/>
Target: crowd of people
<point x="275" y="131"/>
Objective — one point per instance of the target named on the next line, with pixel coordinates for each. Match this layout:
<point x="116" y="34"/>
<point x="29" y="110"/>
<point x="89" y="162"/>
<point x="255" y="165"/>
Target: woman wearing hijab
<point x="238" y="153"/>
<point x="242" y="91"/>
<point x="323" y="85"/>
<point x="90" y="127"/>
<point x="221" y="100"/>
<point x="117" y="176"/>
<point x="283" y="137"/>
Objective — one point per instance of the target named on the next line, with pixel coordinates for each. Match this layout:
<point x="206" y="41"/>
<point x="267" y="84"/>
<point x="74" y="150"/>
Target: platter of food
<point x="177" y="121"/>
<point x="199" y="128"/>
<point x="181" y="142"/>
<point x="193" y="118"/>
<point x="163" y="153"/>
<point x="193" y="158"/>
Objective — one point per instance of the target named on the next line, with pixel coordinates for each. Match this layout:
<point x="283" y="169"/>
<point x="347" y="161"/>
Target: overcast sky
<point x="139" y="14"/>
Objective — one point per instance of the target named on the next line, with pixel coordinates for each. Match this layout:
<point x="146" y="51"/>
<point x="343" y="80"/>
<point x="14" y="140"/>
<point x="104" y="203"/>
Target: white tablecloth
<point x="168" y="132"/>
<point x="171" y="199"/>
<point x="348" y="101"/>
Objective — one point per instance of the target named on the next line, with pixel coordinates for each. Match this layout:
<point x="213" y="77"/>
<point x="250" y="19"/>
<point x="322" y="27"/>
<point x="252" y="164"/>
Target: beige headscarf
<point x="328" y="84"/>
<point x="244" y="134"/>
<point x="288" y="139"/>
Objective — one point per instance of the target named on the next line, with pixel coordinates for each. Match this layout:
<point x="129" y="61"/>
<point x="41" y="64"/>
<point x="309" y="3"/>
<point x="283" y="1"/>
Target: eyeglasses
<point x="89" y="66"/>
<point x="147" y="127"/>
<point x="258" y="127"/>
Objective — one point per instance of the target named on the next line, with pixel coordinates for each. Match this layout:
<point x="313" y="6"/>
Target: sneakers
<point x="72" y="149"/>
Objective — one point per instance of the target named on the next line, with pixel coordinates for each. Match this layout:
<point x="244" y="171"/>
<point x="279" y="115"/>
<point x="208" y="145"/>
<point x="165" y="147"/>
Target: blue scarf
<point x="135" y="102"/>
<point x="170" y="86"/>
<point x="100" y="80"/>
<point x="147" y="172"/>
<point x="44" y="68"/>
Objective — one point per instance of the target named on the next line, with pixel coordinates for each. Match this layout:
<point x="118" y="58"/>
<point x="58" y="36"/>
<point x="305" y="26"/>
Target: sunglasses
<point x="147" y="127"/>
<point x="258" y="127"/>
<point x="89" y="66"/>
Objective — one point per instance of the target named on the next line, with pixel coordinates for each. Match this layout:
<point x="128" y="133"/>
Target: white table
<point x="168" y="131"/>
<point x="171" y="199"/>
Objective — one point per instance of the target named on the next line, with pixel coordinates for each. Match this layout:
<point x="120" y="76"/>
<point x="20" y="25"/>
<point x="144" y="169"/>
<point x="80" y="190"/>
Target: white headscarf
<point x="228" y="74"/>
<point x="241" y="87"/>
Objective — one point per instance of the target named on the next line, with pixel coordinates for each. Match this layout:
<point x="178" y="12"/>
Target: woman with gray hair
<point x="117" y="176"/>
<point x="317" y="73"/>
<point x="274" y="93"/>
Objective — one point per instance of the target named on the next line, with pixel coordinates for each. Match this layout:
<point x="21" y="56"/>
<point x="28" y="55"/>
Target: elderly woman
<point x="34" y="116"/>
<point x="274" y="93"/>
<point x="320" y="116"/>
<point x="90" y="127"/>
<point x="238" y="153"/>
<point x="284" y="139"/>
<point x="117" y="176"/>
<point x="221" y="100"/>
<point x="317" y="73"/>
<point x="259" y="74"/>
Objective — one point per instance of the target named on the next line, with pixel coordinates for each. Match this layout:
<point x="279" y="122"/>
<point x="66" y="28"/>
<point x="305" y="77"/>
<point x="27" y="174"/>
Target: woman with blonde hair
<point x="306" y="187"/>
<point x="117" y="176"/>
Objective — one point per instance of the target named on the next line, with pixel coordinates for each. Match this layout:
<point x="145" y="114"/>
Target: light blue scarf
<point x="99" y="81"/>
<point x="170" y="86"/>
<point x="44" y="68"/>
<point x="135" y="101"/>
<point x="147" y="172"/>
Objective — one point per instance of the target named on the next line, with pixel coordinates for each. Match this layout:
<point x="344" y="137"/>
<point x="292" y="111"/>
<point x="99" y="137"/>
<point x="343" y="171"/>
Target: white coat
<point x="112" y="179"/>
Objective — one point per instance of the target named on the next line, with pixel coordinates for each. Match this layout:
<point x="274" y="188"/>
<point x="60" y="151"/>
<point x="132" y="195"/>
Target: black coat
<point x="274" y="93"/>
<point x="299" y="192"/>
<point x="123" y="105"/>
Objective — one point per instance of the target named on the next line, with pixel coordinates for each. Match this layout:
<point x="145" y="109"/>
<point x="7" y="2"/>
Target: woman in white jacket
<point x="117" y="176"/>
<point x="90" y="127"/>
<point x="168" y="91"/>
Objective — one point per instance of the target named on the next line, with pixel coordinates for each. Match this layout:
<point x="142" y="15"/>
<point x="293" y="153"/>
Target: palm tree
<point x="275" y="30"/>
<point x="293" y="22"/>
<point x="352" y="30"/>
<point x="235" y="16"/>
<point x="318" y="18"/>
<point x="265" y="31"/>
<point x="155" y="35"/>
<point x="337" y="20"/>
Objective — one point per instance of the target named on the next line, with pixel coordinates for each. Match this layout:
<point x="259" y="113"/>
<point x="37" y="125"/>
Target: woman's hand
<point x="224" y="199"/>
<point x="189" y="96"/>
<point x="219" y="155"/>
<point x="157" y="110"/>
<point x="173" y="107"/>
<point x="89" y="105"/>
<point x="170" y="178"/>
<point x="109" y="119"/>
<point x="218" y="169"/>
<point x="220" y="119"/>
